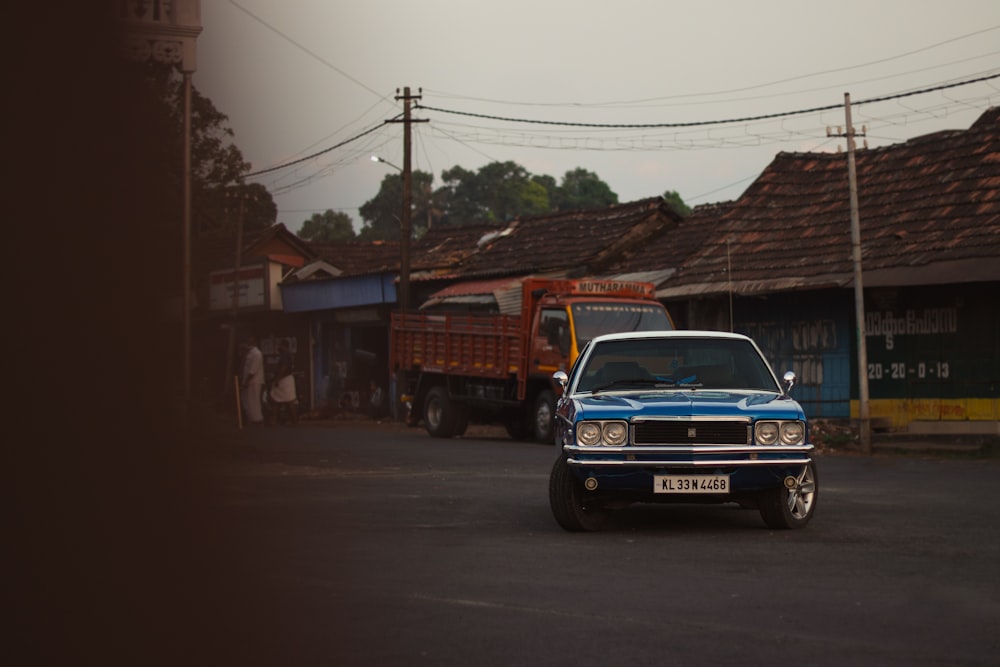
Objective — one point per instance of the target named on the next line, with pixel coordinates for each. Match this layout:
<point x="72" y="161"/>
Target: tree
<point x="674" y="199"/>
<point x="220" y="208"/>
<point x="328" y="226"/>
<point x="381" y="214"/>
<point x="217" y="165"/>
<point x="498" y="192"/>
<point x="547" y="182"/>
<point x="582" y="189"/>
<point x="462" y="199"/>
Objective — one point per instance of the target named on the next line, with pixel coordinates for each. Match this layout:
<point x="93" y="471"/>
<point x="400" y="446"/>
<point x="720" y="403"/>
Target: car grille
<point x="691" y="432"/>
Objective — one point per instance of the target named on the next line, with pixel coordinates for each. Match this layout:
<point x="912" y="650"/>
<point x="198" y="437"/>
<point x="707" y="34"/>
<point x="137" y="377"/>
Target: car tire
<point x="543" y="417"/>
<point x="784" y="508"/>
<point x="439" y="413"/>
<point x="568" y="500"/>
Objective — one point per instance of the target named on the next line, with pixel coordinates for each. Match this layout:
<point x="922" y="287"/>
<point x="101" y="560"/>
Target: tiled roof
<point x="929" y="212"/>
<point x="444" y="247"/>
<point x="359" y="257"/>
<point x="583" y="240"/>
<point x="669" y="250"/>
<point x="923" y="204"/>
<point x="441" y="249"/>
<point x="210" y="251"/>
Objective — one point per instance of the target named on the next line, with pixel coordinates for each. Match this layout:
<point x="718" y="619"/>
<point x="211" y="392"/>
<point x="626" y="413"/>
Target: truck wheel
<point x="568" y="500"/>
<point x="791" y="508"/>
<point x="544" y="417"/>
<point x="439" y="413"/>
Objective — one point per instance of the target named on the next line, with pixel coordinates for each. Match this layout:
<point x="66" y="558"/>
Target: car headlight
<point x="615" y="433"/>
<point x="588" y="434"/>
<point x="608" y="434"/>
<point x="792" y="433"/>
<point x="766" y="433"/>
<point x="779" y="432"/>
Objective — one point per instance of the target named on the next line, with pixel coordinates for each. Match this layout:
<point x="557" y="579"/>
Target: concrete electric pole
<point x="859" y="293"/>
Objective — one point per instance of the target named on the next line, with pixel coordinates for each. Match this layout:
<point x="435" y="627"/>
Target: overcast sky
<point x="298" y="77"/>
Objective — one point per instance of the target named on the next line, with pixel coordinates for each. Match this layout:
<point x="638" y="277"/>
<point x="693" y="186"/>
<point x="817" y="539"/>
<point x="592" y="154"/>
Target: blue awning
<point x="334" y="293"/>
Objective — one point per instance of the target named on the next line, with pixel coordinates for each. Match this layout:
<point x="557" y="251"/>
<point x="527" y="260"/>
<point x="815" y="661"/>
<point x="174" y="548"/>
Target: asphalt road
<point x="378" y="545"/>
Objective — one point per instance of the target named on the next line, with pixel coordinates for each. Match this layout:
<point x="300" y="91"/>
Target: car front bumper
<point x="683" y="456"/>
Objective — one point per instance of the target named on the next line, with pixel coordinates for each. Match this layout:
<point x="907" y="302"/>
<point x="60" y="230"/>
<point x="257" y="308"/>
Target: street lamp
<point x="376" y="158"/>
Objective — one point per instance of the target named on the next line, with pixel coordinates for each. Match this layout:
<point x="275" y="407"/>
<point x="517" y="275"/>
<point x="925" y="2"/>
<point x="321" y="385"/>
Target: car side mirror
<point x="789" y="379"/>
<point x="561" y="378"/>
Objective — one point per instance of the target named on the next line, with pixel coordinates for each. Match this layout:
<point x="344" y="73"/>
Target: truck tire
<point x="439" y="413"/>
<point x="569" y="503"/>
<point x="543" y="417"/>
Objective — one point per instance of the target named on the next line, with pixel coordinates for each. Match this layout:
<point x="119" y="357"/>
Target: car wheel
<point x="791" y="508"/>
<point x="543" y="422"/>
<point x="439" y="413"/>
<point x="568" y="500"/>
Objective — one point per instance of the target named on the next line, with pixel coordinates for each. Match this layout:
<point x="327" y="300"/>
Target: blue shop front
<point x="348" y="319"/>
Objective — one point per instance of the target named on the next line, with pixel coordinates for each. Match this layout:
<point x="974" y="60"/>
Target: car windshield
<point x="675" y="363"/>
<point x="591" y="319"/>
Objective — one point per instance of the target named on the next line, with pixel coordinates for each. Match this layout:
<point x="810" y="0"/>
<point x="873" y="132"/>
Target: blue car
<point x="679" y="417"/>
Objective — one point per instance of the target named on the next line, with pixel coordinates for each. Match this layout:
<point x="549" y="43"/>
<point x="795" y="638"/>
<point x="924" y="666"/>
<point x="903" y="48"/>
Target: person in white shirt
<point x="252" y="382"/>
<point x="283" y="387"/>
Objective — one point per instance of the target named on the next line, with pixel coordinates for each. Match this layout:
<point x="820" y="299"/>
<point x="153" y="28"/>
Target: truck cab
<point x="567" y="314"/>
<point x="454" y="367"/>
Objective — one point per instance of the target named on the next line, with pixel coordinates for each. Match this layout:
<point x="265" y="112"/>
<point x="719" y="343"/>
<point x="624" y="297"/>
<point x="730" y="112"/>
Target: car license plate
<point x="691" y="483"/>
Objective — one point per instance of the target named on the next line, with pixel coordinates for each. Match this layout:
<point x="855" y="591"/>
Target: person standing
<point x="283" y="387"/>
<point x="252" y="382"/>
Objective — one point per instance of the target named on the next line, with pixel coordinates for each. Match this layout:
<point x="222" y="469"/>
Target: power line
<point x="471" y="133"/>
<point x="318" y="153"/>
<point x="305" y="50"/>
<point x="702" y="123"/>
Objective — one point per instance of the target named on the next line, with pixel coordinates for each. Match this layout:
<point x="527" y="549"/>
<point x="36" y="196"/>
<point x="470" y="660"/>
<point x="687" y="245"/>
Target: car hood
<point x="701" y="403"/>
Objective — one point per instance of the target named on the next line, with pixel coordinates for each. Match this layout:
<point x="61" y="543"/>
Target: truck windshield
<point x="594" y="318"/>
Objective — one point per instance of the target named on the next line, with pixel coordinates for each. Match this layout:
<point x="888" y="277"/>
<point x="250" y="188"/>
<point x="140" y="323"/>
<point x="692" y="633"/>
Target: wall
<point x="808" y="333"/>
<point x="934" y="353"/>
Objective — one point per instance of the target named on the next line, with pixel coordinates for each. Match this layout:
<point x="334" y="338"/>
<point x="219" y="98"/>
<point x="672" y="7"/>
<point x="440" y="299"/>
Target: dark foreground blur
<point x="110" y="564"/>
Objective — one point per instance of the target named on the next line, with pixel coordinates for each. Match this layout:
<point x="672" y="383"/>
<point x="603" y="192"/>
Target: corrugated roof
<point x="475" y="287"/>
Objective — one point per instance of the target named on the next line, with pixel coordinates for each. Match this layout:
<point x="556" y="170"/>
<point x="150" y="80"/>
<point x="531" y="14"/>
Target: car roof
<point x="675" y="334"/>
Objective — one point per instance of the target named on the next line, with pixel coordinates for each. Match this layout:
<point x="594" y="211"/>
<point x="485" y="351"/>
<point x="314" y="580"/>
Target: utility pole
<point x="404" y="220"/>
<point x="859" y="293"/>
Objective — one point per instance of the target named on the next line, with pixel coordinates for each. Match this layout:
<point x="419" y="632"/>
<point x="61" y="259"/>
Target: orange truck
<point x="455" y="367"/>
